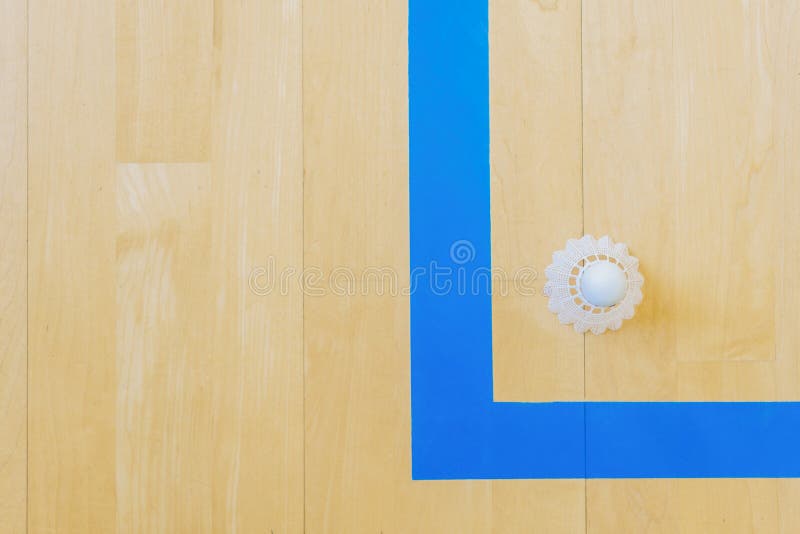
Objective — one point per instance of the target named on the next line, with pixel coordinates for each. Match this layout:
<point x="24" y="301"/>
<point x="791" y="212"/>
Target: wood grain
<point x="163" y="383"/>
<point x="71" y="270"/>
<point x="164" y="61"/>
<point x="357" y="412"/>
<point x="357" y="424"/>
<point x="535" y="111"/>
<point x="13" y="265"/>
<point x="685" y="139"/>
<point x="710" y="506"/>
<point x="689" y="155"/>
<point x="630" y="167"/>
<point x="192" y="335"/>
<point x="535" y="88"/>
<point x="166" y="394"/>
<point x="256" y="217"/>
<point x="195" y="172"/>
<point x="357" y="430"/>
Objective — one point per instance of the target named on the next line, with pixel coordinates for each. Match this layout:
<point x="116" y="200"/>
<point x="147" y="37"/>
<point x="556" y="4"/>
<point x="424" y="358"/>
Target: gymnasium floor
<point x="170" y="172"/>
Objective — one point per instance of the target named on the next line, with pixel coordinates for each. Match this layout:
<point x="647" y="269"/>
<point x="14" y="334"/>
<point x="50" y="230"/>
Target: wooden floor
<point x="159" y="161"/>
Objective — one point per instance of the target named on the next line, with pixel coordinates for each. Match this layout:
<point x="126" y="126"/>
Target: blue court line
<point x="458" y="431"/>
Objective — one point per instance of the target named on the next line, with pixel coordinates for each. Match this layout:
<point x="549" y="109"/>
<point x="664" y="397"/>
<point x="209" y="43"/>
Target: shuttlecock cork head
<point x="593" y="284"/>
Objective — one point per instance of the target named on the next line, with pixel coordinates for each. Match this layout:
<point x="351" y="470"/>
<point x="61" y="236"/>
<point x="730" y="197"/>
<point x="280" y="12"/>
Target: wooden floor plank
<point x="71" y="270"/>
<point x="164" y="61"/>
<point x="535" y="88"/>
<point x="13" y="265"/>
<point x="164" y="312"/>
<point x="257" y="229"/>
<point x="631" y="189"/>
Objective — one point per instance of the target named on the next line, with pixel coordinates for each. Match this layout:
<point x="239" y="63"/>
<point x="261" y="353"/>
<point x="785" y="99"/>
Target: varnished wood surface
<point x="13" y="265"/>
<point x="160" y="160"/>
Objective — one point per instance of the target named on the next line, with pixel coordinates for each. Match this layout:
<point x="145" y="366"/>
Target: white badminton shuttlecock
<point x="593" y="284"/>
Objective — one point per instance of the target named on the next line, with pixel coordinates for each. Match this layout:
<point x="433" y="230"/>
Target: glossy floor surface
<point x="173" y="174"/>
